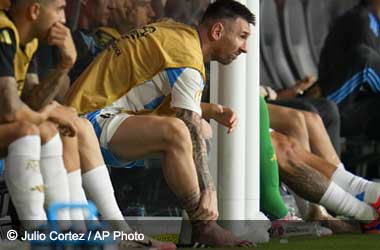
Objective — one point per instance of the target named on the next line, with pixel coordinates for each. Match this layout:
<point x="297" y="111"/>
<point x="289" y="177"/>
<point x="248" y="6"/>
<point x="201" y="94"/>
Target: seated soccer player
<point x="58" y="186"/>
<point x="319" y="181"/>
<point x="34" y="168"/>
<point x="166" y="79"/>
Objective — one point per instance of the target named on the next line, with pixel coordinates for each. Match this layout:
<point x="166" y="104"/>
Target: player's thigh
<point x="138" y="136"/>
<point x="279" y="118"/>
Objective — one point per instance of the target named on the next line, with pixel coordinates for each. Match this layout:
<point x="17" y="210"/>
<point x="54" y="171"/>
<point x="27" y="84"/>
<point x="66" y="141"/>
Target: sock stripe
<point x="376" y="205"/>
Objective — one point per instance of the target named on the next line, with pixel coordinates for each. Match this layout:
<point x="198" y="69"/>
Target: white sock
<point x="362" y="189"/>
<point x="24" y="180"/>
<point x="77" y="196"/>
<point x="343" y="203"/>
<point x="55" y="175"/>
<point x="99" y="189"/>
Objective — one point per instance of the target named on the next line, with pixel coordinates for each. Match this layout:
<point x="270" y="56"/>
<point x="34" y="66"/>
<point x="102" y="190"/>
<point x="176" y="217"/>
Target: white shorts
<point x="105" y="123"/>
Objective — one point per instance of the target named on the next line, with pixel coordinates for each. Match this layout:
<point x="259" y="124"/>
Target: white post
<point x="252" y="117"/>
<point x="257" y="223"/>
<point x="231" y="147"/>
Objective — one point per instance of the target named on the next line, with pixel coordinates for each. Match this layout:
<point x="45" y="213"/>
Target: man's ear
<point x="34" y="11"/>
<point x="217" y="30"/>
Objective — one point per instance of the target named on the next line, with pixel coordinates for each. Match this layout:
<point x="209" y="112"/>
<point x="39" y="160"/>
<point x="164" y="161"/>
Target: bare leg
<point x="210" y="233"/>
<point x="295" y="169"/>
<point x="70" y="153"/>
<point x="298" y="128"/>
<point x="290" y="122"/>
<point x="91" y="159"/>
<point x="171" y="137"/>
<point x="88" y="146"/>
<point x="133" y="141"/>
<point x="320" y="142"/>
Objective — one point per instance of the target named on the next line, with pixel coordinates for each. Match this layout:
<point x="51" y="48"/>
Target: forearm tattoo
<point x="38" y="96"/>
<point x="9" y="101"/>
<point x="193" y="123"/>
<point x="305" y="181"/>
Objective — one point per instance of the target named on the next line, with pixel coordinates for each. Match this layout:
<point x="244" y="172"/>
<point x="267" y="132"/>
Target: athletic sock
<point x="343" y="203"/>
<point x="24" y="180"/>
<point x="55" y="176"/>
<point x="362" y="189"/>
<point x="99" y="189"/>
<point x="77" y="196"/>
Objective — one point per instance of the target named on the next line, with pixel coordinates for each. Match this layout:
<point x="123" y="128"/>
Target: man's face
<point x="50" y="13"/>
<point x="141" y="13"/>
<point x="144" y="12"/>
<point x="233" y="41"/>
<point x="99" y="11"/>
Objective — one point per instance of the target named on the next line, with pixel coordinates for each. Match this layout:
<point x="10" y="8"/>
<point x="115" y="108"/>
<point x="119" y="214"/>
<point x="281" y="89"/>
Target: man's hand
<point x="60" y="36"/>
<point x="305" y="84"/>
<point x="208" y="206"/>
<point x="63" y="116"/>
<point x="268" y="93"/>
<point x="226" y="117"/>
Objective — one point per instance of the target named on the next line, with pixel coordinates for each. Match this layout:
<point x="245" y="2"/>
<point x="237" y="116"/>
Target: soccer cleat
<point x="372" y="228"/>
<point x="376" y="205"/>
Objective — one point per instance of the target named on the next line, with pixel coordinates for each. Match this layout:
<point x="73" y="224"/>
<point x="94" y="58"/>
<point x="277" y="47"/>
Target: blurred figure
<point x="159" y="8"/>
<point x="185" y="11"/>
<point x="95" y="13"/>
<point x="5" y="4"/>
<point x="130" y="14"/>
<point x="349" y="69"/>
<point x="92" y="36"/>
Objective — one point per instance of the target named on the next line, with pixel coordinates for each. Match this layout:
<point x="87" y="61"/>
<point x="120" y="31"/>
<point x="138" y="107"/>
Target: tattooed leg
<point x="297" y="170"/>
<point x="209" y="233"/>
<point x="194" y="123"/>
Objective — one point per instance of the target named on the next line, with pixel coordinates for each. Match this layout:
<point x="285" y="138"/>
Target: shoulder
<point x="7" y="37"/>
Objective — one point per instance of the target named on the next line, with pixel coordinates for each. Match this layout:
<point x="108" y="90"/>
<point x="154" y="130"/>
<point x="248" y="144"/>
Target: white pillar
<point x="231" y="147"/>
<point x="252" y="205"/>
<point x="257" y="223"/>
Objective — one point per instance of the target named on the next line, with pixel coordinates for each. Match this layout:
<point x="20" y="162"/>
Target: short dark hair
<point x="229" y="9"/>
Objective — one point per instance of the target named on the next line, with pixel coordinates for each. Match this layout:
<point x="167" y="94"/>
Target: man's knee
<point x="175" y="133"/>
<point x="297" y="125"/>
<point x="47" y="131"/>
<point x="84" y="128"/>
<point x="285" y="147"/>
<point x="25" y="129"/>
<point x="313" y="118"/>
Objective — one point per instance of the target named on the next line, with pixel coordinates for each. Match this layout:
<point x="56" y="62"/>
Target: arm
<point x="12" y="108"/>
<point x="298" y="89"/>
<point x="36" y="94"/>
<point x="221" y="114"/>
